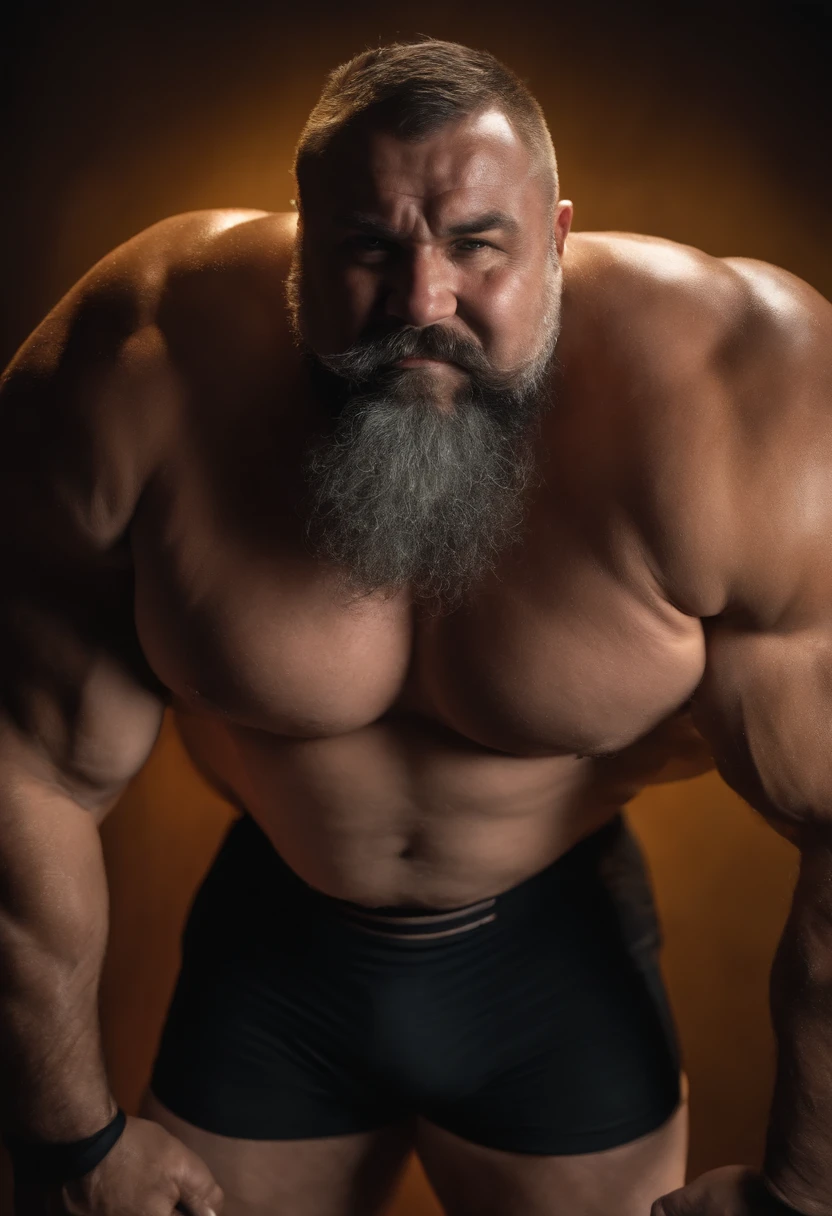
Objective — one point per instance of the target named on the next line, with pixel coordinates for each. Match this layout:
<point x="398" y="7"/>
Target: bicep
<point x="765" y="707"/>
<point x="765" y="701"/>
<point x="76" y="694"/>
<point x="78" y="702"/>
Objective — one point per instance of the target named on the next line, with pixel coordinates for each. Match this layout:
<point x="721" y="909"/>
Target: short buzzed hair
<point x="414" y="88"/>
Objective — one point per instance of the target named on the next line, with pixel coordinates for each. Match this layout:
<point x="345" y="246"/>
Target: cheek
<point x="356" y="291"/>
<point x="512" y="309"/>
<point x="338" y="304"/>
<point x="350" y="300"/>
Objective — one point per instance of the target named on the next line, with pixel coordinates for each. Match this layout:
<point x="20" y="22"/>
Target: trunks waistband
<point x="418" y="925"/>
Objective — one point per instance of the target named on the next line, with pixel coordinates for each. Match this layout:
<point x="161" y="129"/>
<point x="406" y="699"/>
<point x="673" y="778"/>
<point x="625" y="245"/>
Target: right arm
<point x="82" y="417"/>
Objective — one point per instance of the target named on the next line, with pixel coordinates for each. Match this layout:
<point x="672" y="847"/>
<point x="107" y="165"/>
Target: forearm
<point x="53" y="931"/>
<point x="798" y="1160"/>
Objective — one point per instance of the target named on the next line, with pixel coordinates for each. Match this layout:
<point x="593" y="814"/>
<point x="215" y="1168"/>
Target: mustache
<point x="375" y="358"/>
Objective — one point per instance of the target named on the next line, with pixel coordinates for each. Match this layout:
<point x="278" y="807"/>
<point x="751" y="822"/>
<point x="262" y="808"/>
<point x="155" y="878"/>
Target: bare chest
<point x="554" y="654"/>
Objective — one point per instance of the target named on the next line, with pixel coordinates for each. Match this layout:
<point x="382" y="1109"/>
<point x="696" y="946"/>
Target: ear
<point x="563" y="222"/>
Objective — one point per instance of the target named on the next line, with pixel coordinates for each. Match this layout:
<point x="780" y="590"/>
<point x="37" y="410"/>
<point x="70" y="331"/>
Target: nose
<point x="421" y="289"/>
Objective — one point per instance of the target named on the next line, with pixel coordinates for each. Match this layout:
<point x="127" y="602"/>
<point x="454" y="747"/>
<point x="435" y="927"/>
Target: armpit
<point x="673" y="751"/>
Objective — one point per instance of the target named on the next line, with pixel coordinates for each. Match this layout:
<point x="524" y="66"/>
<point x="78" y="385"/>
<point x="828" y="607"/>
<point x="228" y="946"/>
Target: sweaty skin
<point x="680" y="511"/>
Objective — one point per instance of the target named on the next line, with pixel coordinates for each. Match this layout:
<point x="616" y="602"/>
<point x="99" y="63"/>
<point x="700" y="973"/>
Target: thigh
<point x="351" y="1175"/>
<point x="471" y="1180"/>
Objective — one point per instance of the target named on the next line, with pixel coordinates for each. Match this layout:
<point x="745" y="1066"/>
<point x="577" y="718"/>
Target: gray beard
<point x="407" y="495"/>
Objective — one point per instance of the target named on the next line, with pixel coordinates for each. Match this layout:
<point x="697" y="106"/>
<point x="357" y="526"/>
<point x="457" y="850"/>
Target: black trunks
<point x="534" y="1022"/>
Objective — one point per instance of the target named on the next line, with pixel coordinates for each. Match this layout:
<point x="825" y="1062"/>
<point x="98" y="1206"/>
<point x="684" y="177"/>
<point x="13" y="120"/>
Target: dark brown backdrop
<point x="708" y="125"/>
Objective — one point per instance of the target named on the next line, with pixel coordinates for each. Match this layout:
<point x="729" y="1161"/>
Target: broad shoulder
<point x="175" y="263"/>
<point x="205" y="240"/>
<point x="633" y="290"/>
<point x="129" y="290"/>
<point x="719" y="376"/>
<point x="214" y="283"/>
<point x="90" y="401"/>
<point x="676" y="304"/>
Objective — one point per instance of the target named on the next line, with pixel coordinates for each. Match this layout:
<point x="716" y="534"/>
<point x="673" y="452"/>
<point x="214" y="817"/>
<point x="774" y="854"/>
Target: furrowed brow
<point x="365" y="223"/>
<point x="487" y="222"/>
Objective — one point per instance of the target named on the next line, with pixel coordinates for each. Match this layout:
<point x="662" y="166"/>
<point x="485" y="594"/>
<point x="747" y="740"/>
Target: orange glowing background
<point x="709" y="128"/>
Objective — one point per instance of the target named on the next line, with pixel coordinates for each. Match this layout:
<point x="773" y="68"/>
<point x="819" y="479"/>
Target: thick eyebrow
<point x="486" y="222"/>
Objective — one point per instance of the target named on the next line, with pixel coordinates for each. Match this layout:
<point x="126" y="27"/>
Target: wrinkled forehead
<point x="475" y="164"/>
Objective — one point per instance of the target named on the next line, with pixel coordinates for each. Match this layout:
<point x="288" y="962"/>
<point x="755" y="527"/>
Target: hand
<point x="730" y="1191"/>
<point x="147" y="1172"/>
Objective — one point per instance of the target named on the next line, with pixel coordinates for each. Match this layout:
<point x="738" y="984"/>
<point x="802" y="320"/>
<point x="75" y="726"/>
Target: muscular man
<point x="430" y="522"/>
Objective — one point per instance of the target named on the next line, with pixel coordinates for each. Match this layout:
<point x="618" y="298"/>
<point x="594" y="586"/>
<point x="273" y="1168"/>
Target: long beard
<point x="412" y="490"/>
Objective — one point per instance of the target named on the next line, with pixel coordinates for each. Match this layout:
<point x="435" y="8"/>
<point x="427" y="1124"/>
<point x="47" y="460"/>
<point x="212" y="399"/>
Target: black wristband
<point x="44" y="1163"/>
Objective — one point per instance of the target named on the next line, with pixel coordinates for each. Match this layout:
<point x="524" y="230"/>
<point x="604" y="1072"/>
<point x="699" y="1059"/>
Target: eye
<point x="473" y="245"/>
<point x="365" y="243"/>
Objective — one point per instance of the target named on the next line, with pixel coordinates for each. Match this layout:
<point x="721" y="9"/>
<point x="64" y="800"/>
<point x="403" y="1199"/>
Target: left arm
<point x="764" y="704"/>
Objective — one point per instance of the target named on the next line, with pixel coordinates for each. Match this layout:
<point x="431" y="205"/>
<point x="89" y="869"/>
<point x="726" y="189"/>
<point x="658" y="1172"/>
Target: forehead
<point x="475" y="163"/>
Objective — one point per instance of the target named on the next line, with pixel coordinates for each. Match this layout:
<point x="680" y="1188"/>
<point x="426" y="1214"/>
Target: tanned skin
<point x="676" y="558"/>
